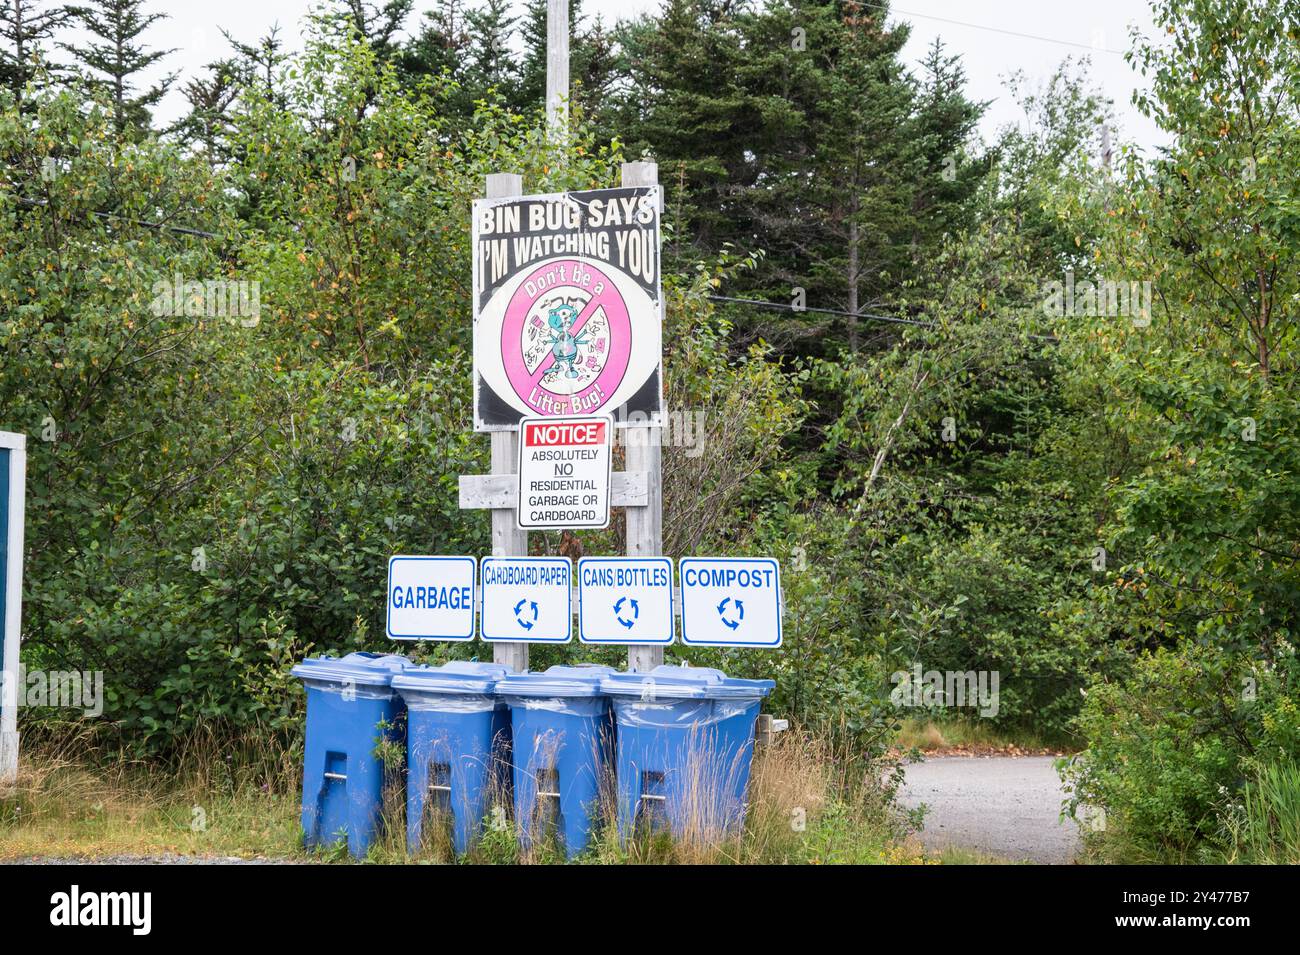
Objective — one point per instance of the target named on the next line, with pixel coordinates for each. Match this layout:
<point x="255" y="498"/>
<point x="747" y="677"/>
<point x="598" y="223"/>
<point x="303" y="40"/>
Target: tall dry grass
<point x="810" y="800"/>
<point x="214" y="795"/>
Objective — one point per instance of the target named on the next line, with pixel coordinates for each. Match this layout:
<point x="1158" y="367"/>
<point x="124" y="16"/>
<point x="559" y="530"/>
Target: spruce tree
<point x="210" y="97"/>
<point x="442" y="48"/>
<point x="378" y="23"/>
<point x="259" y="63"/>
<point x="943" y="126"/>
<point x="471" y="46"/>
<point x="683" y="103"/>
<point x="115" y="59"/>
<point x="491" y="65"/>
<point x="25" y="27"/>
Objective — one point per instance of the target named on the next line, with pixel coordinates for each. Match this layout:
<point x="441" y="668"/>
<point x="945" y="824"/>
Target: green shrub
<point x="1174" y="744"/>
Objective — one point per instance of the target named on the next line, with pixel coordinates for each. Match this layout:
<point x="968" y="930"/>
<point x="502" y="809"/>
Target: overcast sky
<point x="993" y="38"/>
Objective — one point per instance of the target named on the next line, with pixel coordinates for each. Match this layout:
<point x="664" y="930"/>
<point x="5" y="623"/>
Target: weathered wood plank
<point x="644" y="453"/>
<point x="501" y="491"/>
<point x="507" y="539"/>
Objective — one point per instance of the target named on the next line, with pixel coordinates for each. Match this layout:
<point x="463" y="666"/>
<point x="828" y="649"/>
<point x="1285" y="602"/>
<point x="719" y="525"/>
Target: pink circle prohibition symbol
<point x="557" y="370"/>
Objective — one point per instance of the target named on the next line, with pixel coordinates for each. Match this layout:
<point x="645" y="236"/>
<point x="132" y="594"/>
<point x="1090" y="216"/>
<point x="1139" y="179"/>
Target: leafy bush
<point x="1177" y="740"/>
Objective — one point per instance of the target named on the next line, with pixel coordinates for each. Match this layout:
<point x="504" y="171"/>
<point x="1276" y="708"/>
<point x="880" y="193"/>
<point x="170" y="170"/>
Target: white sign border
<point x="780" y="603"/>
<point x="482" y="632"/>
<point x="609" y="472"/>
<point x="672" y="605"/>
<point x="388" y="598"/>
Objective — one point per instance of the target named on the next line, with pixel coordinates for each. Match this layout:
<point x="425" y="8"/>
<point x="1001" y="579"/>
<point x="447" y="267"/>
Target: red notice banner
<point x="568" y="434"/>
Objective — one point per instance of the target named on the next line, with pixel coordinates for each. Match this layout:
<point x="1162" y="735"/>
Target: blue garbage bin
<point x="563" y="734"/>
<point x="685" y="741"/>
<point x="351" y="707"/>
<point x="457" y="747"/>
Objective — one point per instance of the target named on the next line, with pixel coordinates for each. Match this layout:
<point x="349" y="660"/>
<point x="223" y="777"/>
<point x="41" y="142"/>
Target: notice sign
<point x="731" y="601"/>
<point x="564" y="472"/>
<point x="625" y="600"/>
<point x="430" y="598"/>
<point x="527" y="599"/>
<point x="568" y="306"/>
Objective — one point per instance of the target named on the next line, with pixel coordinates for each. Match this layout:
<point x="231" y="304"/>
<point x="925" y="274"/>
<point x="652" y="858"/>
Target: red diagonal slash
<point x="593" y="303"/>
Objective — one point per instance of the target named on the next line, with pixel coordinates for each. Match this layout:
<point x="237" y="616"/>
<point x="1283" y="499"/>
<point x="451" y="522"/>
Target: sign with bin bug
<point x="568" y="307"/>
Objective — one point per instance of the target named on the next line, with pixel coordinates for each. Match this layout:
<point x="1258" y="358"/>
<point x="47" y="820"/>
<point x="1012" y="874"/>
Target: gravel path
<point x="1006" y="806"/>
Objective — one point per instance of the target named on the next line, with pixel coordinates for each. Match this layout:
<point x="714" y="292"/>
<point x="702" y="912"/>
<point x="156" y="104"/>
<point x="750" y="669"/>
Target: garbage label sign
<point x="430" y="598"/>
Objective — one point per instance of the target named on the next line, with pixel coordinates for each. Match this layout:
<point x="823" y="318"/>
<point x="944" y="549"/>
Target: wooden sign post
<point x="644" y="449"/>
<point x="507" y="538"/>
<point x="639" y="488"/>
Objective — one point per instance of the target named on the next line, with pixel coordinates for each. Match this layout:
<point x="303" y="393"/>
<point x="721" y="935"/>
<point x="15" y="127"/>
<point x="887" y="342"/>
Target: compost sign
<point x="731" y="601"/>
<point x="568" y="307"/>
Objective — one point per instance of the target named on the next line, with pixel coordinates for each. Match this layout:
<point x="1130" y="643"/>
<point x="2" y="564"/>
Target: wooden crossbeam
<point x="501" y="491"/>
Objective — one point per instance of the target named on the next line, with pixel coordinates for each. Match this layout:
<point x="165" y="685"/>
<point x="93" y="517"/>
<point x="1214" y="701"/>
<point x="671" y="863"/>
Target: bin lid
<point x="458" y="677"/>
<point x="686" y="683"/>
<point x="367" y="669"/>
<point x="581" y="680"/>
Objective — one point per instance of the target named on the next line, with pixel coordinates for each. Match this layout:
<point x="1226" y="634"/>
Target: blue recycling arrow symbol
<point x="519" y="607"/>
<point x="618" y="611"/>
<point x="730" y="622"/>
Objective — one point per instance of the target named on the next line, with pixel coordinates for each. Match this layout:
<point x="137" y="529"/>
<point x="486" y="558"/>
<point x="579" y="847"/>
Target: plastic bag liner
<point x="456" y="687"/>
<point x="631" y="712"/>
<point x="552" y="704"/>
<point x="364" y="676"/>
<point x="569" y="690"/>
<point x="669" y="683"/>
<point x="459" y="703"/>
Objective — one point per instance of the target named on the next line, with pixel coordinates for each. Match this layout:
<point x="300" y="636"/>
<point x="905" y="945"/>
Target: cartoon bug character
<point x="564" y="345"/>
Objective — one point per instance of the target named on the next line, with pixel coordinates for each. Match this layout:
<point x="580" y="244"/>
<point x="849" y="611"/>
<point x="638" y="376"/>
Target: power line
<point x="891" y="319"/>
<point x="160" y="226"/>
<point x="725" y="299"/>
<point x="980" y="26"/>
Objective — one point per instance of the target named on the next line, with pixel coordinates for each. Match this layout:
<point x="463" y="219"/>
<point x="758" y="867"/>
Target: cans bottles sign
<point x="568" y="307"/>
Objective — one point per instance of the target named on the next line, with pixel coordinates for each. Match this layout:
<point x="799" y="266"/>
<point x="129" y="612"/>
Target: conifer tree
<point x="442" y="48"/>
<point x="114" y="60"/>
<point x="210" y="98"/>
<point x="259" y="63"/>
<point x="378" y="23"/>
<point x="25" y="27"/>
